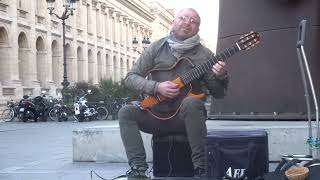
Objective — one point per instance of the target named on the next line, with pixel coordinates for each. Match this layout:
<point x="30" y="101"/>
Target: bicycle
<point x="11" y="112"/>
<point x="115" y="104"/>
<point x="60" y="113"/>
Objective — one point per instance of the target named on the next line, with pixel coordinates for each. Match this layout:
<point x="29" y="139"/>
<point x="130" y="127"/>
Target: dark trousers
<point x="190" y="120"/>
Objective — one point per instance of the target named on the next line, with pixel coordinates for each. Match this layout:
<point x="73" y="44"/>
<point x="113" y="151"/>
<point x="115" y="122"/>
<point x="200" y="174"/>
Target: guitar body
<point x="167" y="108"/>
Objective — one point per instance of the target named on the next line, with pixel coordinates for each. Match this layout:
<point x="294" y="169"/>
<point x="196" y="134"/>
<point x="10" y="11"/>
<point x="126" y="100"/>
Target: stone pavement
<point x="38" y="151"/>
<point x="43" y="151"/>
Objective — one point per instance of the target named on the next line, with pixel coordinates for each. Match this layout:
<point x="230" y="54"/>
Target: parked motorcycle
<point x="41" y="108"/>
<point x="26" y="109"/>
<point x="34" y="109"/>
<point x="82" y="111"/>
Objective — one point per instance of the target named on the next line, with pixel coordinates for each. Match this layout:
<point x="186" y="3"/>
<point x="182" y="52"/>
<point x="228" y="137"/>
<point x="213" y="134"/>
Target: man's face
<point x="186" y="24"/>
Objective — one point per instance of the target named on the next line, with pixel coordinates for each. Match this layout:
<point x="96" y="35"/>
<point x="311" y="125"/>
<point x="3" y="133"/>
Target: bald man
<point x="183" y="42"/>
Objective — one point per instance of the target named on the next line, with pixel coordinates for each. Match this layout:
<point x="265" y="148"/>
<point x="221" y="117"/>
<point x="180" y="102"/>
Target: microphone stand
<point x="304" y="64"/>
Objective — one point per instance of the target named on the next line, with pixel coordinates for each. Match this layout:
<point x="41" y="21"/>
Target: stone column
<point x="131" y="36"/>
<point x="12" y="48"/>
<point x="118" y="28"/>
<point x="74" y="34"/>
<point x="126" y="45"/>
<point x="85" y="49"/>
<point x="113" y="46"/>
<point x="103" y="39"/>
<point x="99" y="22"/>
<point x="85" y="62"/>
<point x="89" y="19"/>
<point x="109" y="41"/>
<point x="32" y="80"/>
<point x="48" y="43"/>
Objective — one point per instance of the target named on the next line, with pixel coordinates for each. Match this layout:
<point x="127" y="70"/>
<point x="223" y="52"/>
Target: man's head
<point x="186" y="24"/>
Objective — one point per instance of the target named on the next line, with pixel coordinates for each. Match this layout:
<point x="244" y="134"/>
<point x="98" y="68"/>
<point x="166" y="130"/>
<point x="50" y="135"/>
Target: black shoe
<point x="137" y="172"/>
<point x="199" y="172"/>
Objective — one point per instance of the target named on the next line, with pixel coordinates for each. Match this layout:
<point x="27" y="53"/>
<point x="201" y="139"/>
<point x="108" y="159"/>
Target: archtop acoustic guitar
<point x="165" y="108"/>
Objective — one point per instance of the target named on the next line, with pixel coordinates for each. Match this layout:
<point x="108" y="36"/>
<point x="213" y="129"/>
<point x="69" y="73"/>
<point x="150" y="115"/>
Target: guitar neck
<point x="202" y="68"/>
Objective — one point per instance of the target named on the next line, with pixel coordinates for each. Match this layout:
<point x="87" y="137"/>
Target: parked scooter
<point x="82" y="111"/>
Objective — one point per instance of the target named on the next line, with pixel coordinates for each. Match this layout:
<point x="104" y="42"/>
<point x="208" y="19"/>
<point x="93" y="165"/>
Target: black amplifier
<point x="237" y="154"/>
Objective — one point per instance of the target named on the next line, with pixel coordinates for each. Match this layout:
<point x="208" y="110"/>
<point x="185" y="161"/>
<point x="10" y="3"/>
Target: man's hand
<point x="219" y="68"/>
<point x="168" y="89"/>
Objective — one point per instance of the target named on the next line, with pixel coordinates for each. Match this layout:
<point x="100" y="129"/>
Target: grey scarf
<point x="179" y="47"/>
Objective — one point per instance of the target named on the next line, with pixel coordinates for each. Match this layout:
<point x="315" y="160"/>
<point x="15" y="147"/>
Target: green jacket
<point x="158" y="55"/>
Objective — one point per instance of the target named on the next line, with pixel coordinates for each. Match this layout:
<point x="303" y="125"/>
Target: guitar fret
<point x="194" y="74"/>
<point x="198" y="72"/>
<point x="213" y="61"/>
<point x="186" y="77"/>
<point x="221" y="58"/>
<point x="183" y="78"/>
<point x="232" y="50"/>
<point x="227" y="55"/>
<point x="208" y="65"/>
<point x="202" y="70"/>
<point x="229" y="52"/>
<point x="193" y="77"/>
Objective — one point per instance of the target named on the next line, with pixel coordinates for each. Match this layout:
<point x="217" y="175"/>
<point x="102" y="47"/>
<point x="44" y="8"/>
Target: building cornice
<point x="5" y="20"/>
<point x="24" y="25"/>
<point x="138" y="8"/>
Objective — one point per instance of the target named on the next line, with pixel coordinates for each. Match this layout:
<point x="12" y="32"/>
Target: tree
<point x="104" y="90"/>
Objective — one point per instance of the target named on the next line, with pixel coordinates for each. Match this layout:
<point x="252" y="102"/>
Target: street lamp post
<point x="69" y="7"/>
<point x="145" y="43"/>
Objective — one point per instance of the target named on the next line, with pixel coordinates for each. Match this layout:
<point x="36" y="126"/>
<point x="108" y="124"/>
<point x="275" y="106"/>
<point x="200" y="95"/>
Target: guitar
<point x="185" y="72"/>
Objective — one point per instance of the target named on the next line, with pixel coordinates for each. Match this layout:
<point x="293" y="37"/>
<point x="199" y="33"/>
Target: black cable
<point x="169" y="161"/>
<point x="168" y="155"/>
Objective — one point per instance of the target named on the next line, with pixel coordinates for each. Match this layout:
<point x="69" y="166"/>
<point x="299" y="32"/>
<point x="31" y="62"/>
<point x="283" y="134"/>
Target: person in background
<point x="182" y="41"/>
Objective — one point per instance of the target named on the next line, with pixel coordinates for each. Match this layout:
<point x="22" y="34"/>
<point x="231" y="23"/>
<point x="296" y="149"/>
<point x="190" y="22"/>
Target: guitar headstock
<point x="248" y="41"/>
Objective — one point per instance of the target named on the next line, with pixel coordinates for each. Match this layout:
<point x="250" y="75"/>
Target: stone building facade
<point x="98" y="42"/>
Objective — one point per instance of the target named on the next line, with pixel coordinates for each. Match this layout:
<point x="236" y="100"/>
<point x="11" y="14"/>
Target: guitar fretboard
<point x="202" y="68"/>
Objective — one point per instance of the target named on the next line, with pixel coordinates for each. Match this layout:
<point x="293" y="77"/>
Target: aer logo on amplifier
<point x="235" y="173"/>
